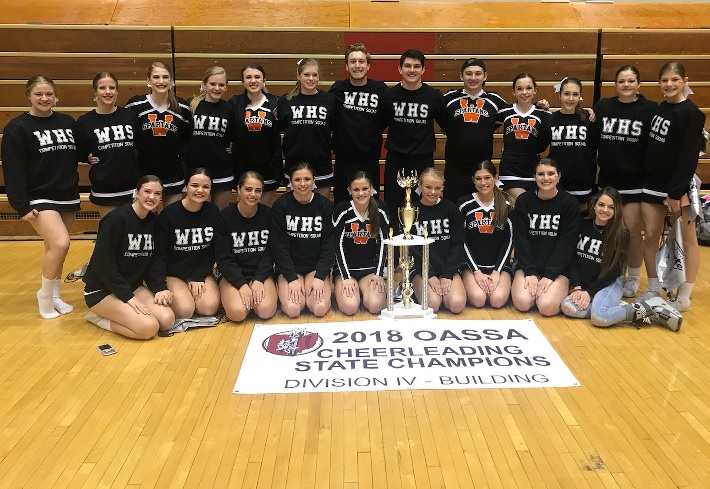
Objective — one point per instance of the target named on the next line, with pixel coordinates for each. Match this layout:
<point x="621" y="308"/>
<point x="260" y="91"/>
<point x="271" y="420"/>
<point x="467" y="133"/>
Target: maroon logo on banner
<point x="292" y="343"/>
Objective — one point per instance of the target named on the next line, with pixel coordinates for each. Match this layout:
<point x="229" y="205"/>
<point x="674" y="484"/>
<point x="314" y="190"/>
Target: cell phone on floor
<point x="106" y="349"/>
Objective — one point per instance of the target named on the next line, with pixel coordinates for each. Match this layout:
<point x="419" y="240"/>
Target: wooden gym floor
<point x="161" y="413"/>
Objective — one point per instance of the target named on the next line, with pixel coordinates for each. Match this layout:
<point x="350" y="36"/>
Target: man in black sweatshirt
<point x="409" y="109"/>
<point x="357" y="133"/>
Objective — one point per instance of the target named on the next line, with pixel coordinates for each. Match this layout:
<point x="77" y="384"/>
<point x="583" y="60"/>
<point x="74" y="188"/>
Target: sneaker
<point x="398" y="293"/>
<point x="680" y="305"/>
<point x="665" y="313"/>
<point x="643" y="313"/>
<point x="649" y="294"/>
<point x="76" y="275"/>
<point x="631" y="286"/>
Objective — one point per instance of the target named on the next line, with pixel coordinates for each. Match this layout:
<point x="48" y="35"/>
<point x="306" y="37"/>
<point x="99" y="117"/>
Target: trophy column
<point x="407" y="308"/>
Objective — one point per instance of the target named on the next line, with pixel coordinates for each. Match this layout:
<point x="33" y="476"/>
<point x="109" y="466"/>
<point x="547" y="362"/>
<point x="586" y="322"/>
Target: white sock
<point x="44" y="299"/>
<point x="684" y="292"/>
<point x="59" y="305"/>
<point x="99" y="321"/>
<point x="654" y="284"/>
<point x="634" y="272"/>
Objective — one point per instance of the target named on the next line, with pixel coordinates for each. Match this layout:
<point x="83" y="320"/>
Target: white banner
<point x="397" y="355"/>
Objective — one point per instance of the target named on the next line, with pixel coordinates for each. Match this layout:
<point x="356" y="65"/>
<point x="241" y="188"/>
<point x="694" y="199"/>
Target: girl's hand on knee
<point x="257" y="291"/>
<point x="295" y="292"/>
<point x="196" y="289"/>
<point x="138" y="306"/>
<point x="164" y="298"/>
<point x="317" y="290"/>
<point x="542" y="286"/>
<point x="246" y="296"/>
<point x="377" y="284"/>
<point x="531" y="284"/>
<point x="350" y="287"/>
<point x="445" y="285"/>
<point x="435" y="285"/>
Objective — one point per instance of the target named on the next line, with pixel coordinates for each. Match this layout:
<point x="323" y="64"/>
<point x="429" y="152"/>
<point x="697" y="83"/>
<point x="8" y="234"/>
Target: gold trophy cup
<point x="407" y="214"/>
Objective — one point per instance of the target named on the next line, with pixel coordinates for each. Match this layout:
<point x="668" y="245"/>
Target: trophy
<point x="407" y="214"/>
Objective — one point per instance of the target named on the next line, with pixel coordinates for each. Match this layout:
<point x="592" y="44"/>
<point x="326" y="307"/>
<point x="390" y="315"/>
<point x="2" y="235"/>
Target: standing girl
<point x="42" y="184"/>
<point x="114" y="288"/>
<point x="620" y="135"/>
<point x="360" y="225"/>
<point x="212" y="137"/>
<point x="671" y="159"/>
<point x="306" y="117"/>
<point x="301" y="242"/>
<point x="105" y="139"/>
<point x="545" y="229"/>
<point x="165" y="127"/>
<point x="597" y="270"/>
<point x="488" y="244"/>
<point x="180" y="272"/>
<point x="569" y="142"/>
<point x="258" y="145"/>
<point x="243" y="258"/>
<point x="444" y="224"/>
<point x="525" y="136"/>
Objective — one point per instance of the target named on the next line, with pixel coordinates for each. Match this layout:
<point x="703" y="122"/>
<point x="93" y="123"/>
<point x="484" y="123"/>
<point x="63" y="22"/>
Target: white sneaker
<point x="680" y="305"/>
<point x="631" y="286"/>
<point x="649" y="294"/>
<point x="665" y="313"/>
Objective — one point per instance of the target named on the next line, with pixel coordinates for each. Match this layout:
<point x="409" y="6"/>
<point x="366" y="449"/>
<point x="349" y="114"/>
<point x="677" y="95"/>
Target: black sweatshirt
<point x="470" y="124"/>
<point x="587" y="263"/>
<point x="40" y="161"/>
<point x="307" y="122"/>
<point x="545" y="233"/>
<point x="241" y="245"/>
<point x="111" y="138"/>
<point x="213" y="130"/>
<point x="570" y="147"/>
<point x="162" y="137"/>
<point x="184" y="245"/>
<point x="444" y="224"/>
<point x="673" y="147"/>
<point x="620" y="132"/>
<point x="357" y="132"/>
<point x="410" y="116"/>
<point x="301" y="237"/>
<point x="357" y="250"/>
<point x="258" y="135"/>
<point x="486" y="246"/>
<point x="124" y="246"/>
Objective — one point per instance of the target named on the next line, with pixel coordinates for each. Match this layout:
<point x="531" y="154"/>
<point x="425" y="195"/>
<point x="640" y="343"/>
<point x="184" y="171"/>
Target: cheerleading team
<point x="114" y="290"/>
<point x="620" y="135"/>
<point x="360" y="226"/>
<point x="213" y="128"/>
<point x="258" y="145"/>
<point x="674" y="144"/>
<point x="545" y="230"/>
<point x="105" y="138"/>
<point x="306" y="116"/>
<point x="525" y="136"/>
<point x="488" y="242"/>
<point x="244" y="261"/>
<point x="440" y="220"/>
<point x="569" y="136"/>
<point x="180" y="273"/>
<point x="597" y="269"/>
<point x="165" y="126"/>
<point x="39" y="163"/>
<point x="302" y="244"/>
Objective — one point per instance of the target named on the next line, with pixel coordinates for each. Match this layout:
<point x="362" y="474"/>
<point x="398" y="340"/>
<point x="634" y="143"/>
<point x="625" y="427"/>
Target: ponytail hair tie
<point x="558" y="86"/>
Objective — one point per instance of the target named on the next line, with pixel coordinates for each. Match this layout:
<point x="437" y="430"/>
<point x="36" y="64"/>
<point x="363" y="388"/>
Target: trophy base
<point x="400" y="312"/>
